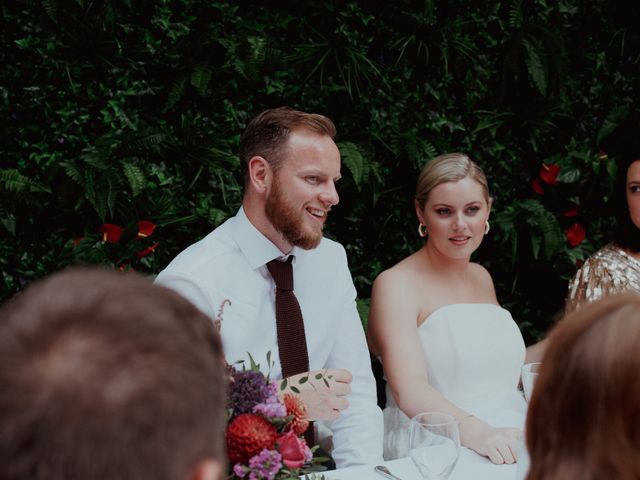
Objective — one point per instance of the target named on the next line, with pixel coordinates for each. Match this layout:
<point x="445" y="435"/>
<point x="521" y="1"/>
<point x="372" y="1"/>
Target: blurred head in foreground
<point x="584" y="415"/>
<point x="105" y="375"/>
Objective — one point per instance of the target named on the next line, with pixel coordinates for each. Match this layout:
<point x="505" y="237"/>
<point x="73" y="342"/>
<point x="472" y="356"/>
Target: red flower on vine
<point x="111" y="232"/>
<point x="147" y="251"/>
<point x="572" y="211"/>
<point x="145" y="228"/>
<point x="575" y="234"/>
<point x="537" y="186"/>
<point x="549" y="173"/>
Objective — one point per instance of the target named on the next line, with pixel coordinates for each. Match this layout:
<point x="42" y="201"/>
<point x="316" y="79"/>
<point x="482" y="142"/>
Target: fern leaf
<point x="257" y="55"/>
<point x="200" y="78"/>
<point x="134" y="176"/>
<point x="96" y="195"/>
<point x="410" y="144"/>
<point x="148" y="141"/>
<point x="535" y="66"/>
<point x="546" y="224"/>
<point x="515" y="15"/>
<point x="176" y="93"/>
<point x="354" y="161"/>
<point x="110" y="197"/>
<point x="51" y="8"/>
<point x="12" y="180"/>
<point x="9" y="223"/>
<point x="217" y="216"/>
<point x="613" y="119"/>
<point x="551" y="233"/>
<point x="428" y="149"/>
<point x="73" y="172"/>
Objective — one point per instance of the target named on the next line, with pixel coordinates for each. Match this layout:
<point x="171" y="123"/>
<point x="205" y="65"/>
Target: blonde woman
<point x="445" y="343"/>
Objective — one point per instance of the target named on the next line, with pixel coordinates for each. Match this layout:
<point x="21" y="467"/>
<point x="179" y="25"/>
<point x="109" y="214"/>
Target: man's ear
<point x="260" y="174"/>
<point x="207" y="470"/>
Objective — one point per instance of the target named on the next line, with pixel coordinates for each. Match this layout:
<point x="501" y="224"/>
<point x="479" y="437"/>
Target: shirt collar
<point x="257" y="249"/>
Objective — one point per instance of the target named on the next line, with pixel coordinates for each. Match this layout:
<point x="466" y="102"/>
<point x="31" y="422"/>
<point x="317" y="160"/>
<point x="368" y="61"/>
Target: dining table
<point x="470" y="466"/>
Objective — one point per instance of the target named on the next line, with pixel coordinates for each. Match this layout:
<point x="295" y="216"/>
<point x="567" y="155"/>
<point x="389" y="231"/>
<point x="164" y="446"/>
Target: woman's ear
<point x="260" y="174"/>
<point x="419" y="211"/>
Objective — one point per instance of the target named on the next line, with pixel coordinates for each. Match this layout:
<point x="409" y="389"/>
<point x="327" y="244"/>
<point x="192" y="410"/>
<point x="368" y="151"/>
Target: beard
<point x="288" y="220"/>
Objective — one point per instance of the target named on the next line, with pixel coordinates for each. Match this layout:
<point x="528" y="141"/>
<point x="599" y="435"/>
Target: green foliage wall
<point x="118" y="111"/>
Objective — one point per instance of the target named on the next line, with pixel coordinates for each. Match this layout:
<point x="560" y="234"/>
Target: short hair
<point x="583" y="415"/>
<point x="105" y="375"/>
<point x="267" y="134"/>
<point x="450" y="167"/>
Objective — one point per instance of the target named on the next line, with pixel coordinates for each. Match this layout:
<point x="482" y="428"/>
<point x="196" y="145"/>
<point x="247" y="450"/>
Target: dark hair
<point x="626" y="234"/>
<point x="583" y="415"/>
<point x="105" y="375"/>
<point x="267" y="134"/>
<point x="623" y="145"/>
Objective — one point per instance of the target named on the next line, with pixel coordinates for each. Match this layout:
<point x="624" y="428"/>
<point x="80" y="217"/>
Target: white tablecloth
<point x="470" y="466"/>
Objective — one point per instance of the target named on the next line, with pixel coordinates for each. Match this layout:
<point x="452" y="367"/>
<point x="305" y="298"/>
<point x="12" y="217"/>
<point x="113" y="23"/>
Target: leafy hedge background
<point x="119" y="111"/>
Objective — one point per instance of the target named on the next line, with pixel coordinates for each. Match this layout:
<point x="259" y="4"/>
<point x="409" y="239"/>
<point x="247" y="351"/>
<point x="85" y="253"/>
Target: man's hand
<point x="322" y="391"/>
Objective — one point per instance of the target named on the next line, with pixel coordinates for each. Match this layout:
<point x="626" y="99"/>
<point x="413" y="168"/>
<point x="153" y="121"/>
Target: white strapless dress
<point x="474" y="353"/>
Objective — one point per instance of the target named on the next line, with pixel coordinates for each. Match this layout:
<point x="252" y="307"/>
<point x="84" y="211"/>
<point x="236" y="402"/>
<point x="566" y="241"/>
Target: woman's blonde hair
<point x="449" y="167"/>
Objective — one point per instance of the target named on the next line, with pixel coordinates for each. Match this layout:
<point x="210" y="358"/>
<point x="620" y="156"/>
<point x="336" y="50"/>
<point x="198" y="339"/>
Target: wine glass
<point x="434" y="444"/>
<point x="529" y="374"/>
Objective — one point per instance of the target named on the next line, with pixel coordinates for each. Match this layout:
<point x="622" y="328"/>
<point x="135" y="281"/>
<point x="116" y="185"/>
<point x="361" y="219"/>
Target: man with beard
<point x="291" y="165"/>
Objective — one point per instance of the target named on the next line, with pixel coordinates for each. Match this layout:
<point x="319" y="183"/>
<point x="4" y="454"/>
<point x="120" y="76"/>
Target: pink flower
<point x="298" y="411"/>
<point x="294" y="450"/>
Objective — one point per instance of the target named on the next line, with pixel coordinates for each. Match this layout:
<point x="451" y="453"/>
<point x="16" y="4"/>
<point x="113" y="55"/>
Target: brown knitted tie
<point x="291" y="339"/>
<point x="292" y="342"/>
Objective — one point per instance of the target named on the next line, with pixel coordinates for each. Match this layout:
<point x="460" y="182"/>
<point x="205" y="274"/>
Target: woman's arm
<point x="393" y="334"/>
<point x="535" y="352"/>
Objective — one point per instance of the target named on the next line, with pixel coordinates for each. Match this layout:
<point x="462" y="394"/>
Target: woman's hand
<point x="499" y="444"/>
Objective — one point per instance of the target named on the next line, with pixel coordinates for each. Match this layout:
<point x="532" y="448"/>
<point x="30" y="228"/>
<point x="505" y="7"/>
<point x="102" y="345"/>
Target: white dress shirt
<point x="230" y="264"/>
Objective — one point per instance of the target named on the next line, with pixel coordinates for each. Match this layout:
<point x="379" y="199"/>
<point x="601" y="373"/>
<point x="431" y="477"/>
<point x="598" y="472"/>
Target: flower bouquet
<point x="264" y="432"/>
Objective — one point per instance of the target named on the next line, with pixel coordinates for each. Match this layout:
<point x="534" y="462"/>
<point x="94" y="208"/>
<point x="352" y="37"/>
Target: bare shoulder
<point x="479" y="272"/>
<point x="401" y="276"/>
<point x="481" y="278"/>
<point x="395" y="305"/>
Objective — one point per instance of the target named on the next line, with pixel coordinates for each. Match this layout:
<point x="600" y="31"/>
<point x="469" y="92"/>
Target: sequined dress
<point x="608" y="271"/>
